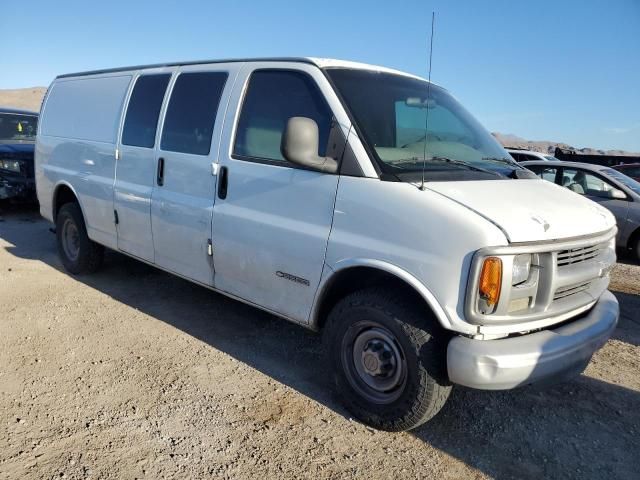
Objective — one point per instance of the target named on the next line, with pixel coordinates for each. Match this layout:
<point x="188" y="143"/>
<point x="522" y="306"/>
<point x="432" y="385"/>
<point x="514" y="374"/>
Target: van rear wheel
<point x="388" y="363"/>
<point x="78" y="253"/>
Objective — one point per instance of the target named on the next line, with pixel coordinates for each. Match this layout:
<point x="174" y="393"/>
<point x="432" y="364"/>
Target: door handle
<point x="160" y="177"/>
<point x="223" y="182"/>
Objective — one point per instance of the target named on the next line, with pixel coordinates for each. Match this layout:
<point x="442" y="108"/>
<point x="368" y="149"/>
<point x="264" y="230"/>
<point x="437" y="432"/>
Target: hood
<point x="16" y="147"/>
<point x="529" y="210"/>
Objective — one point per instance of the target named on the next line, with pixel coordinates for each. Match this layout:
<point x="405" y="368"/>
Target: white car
<point x="521" y="155"/>
<point x="310" y="188"/>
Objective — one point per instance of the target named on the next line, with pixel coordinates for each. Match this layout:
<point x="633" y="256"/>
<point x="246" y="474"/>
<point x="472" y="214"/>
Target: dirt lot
<point x="133" y="373"/>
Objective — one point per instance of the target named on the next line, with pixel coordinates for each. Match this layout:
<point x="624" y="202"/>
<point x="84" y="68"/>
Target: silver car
<point x="610" y="188"/>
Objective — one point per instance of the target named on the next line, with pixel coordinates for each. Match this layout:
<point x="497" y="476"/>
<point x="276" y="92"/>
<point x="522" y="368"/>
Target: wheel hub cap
<point x="378" y="358"/>
<point x="376" y="366"/>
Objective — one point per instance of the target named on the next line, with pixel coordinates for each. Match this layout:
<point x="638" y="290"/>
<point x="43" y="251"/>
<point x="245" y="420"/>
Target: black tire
<point x="635" y="248"/>
<point x="78" y="253"/>
<point x="404" y="332"/>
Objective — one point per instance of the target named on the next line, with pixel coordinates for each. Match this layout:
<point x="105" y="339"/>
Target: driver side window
<point x="585" y="183"/>
<point x="272" y="98"/>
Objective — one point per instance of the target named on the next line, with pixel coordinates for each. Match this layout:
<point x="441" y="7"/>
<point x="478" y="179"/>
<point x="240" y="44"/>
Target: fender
<point x="55" y="197"/>
<point x="330" y="272"/>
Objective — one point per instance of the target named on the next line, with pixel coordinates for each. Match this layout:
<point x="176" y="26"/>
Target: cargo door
<point x="184" y="181"/>
<point x="136" y="164"/>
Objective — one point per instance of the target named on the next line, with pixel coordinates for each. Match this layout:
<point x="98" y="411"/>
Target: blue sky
<point x="544" y="70"/>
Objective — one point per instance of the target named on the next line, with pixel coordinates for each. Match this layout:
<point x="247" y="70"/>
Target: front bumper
<point x="544" y="356"/>
<point x="17" y="187"/>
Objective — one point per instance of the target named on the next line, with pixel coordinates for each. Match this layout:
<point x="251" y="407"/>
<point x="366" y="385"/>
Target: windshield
<point x="15" y="126"/>
<point x="623" y="179"/>
<point x="391" y="112"/>
<point x="551" y="158"/>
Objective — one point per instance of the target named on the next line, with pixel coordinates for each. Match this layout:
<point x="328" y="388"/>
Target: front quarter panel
<point x="633" y="222"/>
<point x="421" y="233"/>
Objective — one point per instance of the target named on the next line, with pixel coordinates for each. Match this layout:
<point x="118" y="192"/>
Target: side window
<point x="586" y="183"/>
<point x="545" y="173"/>
<point x="141" y="122"/>
<point x="191" y="115"/>
<point x="271" y="99"/>
<point x="516" y="156"/>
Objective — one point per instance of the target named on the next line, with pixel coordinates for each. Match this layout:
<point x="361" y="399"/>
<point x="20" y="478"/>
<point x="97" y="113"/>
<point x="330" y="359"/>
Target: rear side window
<point x="191" y="115"/>
<point x="85" y="108"/>
<point x="272" y="98"/>
<point x="141" y="122"/>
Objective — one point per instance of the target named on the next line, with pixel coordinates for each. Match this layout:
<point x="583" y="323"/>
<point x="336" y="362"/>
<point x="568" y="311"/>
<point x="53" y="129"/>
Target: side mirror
<point x="300" y="145"/>
<point x="618" y="194"/>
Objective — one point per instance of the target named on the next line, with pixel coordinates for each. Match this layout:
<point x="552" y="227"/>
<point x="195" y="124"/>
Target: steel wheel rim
<point x="374" y="362"/>
<point x="70" y="240"/>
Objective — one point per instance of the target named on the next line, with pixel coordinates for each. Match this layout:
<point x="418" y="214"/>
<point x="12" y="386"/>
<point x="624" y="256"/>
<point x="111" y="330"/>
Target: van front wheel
<point x="387" y="361"/>
<point x="78" y="253"/>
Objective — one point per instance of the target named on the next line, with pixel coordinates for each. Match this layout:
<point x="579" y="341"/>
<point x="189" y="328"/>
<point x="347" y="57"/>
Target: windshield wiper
<point x="467" y="165"/>
<point x="461" y="163"/>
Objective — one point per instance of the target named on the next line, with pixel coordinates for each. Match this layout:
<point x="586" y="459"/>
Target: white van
<point x="352" y="199"/>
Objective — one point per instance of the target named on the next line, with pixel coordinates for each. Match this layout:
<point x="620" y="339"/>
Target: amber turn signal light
<point x="491" y="280"/>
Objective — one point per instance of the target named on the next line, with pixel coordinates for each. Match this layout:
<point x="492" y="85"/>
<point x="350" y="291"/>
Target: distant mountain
<point x="543" y="146"/>
<point x="24" y="98"/>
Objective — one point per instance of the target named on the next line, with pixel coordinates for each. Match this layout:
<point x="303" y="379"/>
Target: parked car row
<point x="523" y="155"/>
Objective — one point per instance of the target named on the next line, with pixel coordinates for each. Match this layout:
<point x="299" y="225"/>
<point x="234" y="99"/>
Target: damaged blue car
<point x="17" y="143"/>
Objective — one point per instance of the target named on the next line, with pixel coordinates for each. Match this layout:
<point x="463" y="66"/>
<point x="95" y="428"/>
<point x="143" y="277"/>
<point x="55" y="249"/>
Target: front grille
<point x="570" y="290"/>
<point x="569" y="275"/>
<point x="574" y="262"/>
<point x="579" y="255"/>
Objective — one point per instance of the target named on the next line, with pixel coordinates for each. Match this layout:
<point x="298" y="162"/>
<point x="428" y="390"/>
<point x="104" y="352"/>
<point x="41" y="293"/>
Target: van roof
<point x="319" y="62"/>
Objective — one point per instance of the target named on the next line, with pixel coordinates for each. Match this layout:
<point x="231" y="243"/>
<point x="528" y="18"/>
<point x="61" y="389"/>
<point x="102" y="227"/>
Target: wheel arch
<point x="633" y="238"/>
<point x="64" y="193"/>
<point x="348" y="276"/>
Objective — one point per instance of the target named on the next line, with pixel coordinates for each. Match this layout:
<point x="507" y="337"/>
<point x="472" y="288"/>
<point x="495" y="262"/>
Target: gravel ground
<point x="134" y="373"/>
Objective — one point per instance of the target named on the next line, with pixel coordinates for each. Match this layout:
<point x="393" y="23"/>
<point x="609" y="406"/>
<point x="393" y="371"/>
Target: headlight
<point x="521" y="269"/>
<point x="12" y="165"/>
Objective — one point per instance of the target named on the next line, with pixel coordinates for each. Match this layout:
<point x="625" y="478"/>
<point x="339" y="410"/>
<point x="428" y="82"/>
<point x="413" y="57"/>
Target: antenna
<point x="426" y="122"/>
